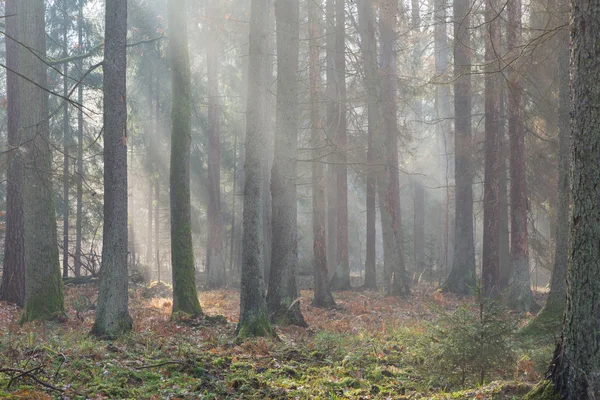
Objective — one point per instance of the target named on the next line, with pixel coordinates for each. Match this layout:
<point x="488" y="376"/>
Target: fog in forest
<point x="397" y="197"/>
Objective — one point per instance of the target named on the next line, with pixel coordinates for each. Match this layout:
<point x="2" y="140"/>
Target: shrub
<point x="471" y="342"/>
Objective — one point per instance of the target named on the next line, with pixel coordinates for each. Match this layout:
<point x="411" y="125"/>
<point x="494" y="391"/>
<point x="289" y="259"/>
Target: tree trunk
<point x="504" y="244"/>
<point x="330" y="132"/>
<point x="44" y="288"/>
<point x="282" y="297"/>
<point x="520" y="296"/>
<point x="385" y="138"/>
<point x="549" y="319"/>
<point x="157" y="191"/>
<point x="463" y="273"/>
<point x="387" y="24"/>
<point x="80" y="172"/>
<point x="419" y="227"/>
<point x="323" y="297"/>
<point x="254" y="319"/>
<point x="576" y="368"/>
<point x="215" y="262"/>
<point x="151" y="177"/>
<point x="491" y="238"/>
<point x="112" y="315"/>
<point x="341" y="276"/>
<point x="66" y="146"/>
<point x="185" y="296"/>
<point x="371" y="253"/>
<point x="12" y="289"/>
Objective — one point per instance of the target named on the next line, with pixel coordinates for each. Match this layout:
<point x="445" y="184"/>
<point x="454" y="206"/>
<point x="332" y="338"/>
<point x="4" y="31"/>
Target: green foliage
<point x="469" y="343"/>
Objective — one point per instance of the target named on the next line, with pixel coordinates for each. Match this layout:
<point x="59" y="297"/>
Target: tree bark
<point x="12" y="288"/>
<point x="323" y="297"/>
<point x="112" y="315"/>
<point x="66" y="146"/>
<point x="386" y="146"/>
<point x="80" y="171"/>
<point x="371" y="178"/>
<point x="330" y="132"/>
<point x="282" y="297"/>
<point x="550" y="317"/>
<point x="185" y="296"/>
<point x="491" y="238"/>
<point x="341" y="276"/>
<point x="419" y="227"/>
<point x="44" y="289"/>
<point x="576" y="368"/>
<point x="520" y="296"/>
<point x="254" y="320"/>
<point x="463" y="273"/>
<point x="215" y="262"/>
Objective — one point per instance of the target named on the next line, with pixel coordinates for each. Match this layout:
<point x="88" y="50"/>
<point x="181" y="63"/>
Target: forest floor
<point x="371" y="347"/>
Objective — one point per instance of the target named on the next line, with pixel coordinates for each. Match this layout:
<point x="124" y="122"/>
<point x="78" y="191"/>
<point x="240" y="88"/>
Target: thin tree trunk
<point x="157" y="187"/>
<point x="323" y="297"/>
<point x="12" y="289"/>
<point x="66" y="146"/>
<point x="419" y="227"/>
<point x="151" y="167"/>
<point x="112" y="315"/>
<point x="520" y="296"/>
<point x="491" y="241"/>
<point x="576" y="369"/>
<point x="183" y="268"/>
<point x="215" y="262"/>
<point x="330" y="132"/>
<point x="371" y="252"/>
<point x="80" y="172"/>
<point x="341" y="276"/>
<point x="387" y="25"/>
<point x="254" y="320"/>
<point x="385" y="139"/>
<point x="463" y="273"/>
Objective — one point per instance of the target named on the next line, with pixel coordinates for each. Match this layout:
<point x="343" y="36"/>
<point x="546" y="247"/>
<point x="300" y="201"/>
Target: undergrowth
<point x="201" y="358"/>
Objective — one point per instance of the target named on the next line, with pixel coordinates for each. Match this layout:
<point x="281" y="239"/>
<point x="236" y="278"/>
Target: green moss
<point x="47" y="304"/>
<point x="547" y="323"/>
<point x="543" y="391"/>
<point x="256" y="325"/>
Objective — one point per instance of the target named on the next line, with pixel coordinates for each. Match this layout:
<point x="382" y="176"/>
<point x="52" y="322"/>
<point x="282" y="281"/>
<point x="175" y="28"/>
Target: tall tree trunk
<point x="520" y="296"/>
<point x="150" y="135"/>
<point x="443" y="127"/>
<point x="66" y="146"/>
<point x="330" y="132"/>
<point x="341" y="276"/>
<point x="44" y="288"/>
<point x="576" y="368"/>
<point x="491" y="238"/>
<point x="254" y="319"/>
<point x="388" y="36"/>
<point x="12" y="289"/>
<point x="385" y="138"/>
<point x="112" y="315"/>
<point x="504" y="244"/>
<point x="282" y="297"/>
<point x="215" y="262"/>
<point x="185" y="296"/>
<point x="79" y="223"/>
<point x="323" y="297"/>
<point x="550" y="317"/>
<point x="463" y="273"/>
<point x="371" y="252"/>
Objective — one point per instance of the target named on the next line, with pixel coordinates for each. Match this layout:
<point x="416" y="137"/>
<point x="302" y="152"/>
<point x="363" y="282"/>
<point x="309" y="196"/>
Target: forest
<point x="300" y="199"/>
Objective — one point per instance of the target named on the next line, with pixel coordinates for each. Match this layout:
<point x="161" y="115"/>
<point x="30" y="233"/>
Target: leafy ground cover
<point x="371" y="347"/>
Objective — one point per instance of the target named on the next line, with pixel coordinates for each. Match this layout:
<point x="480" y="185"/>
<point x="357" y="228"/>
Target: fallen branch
<point x="30" y="374"/>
